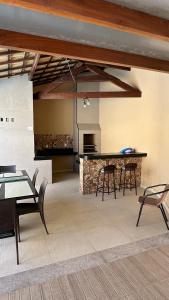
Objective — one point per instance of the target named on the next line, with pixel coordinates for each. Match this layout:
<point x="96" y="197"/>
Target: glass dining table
<point x="13" y="187"/>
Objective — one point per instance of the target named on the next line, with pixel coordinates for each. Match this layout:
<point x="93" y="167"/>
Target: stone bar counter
<point x="91" y="163"/>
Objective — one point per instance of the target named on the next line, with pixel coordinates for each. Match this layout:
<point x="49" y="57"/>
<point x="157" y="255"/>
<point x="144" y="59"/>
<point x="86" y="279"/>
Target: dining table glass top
<point x="17" y="186"/>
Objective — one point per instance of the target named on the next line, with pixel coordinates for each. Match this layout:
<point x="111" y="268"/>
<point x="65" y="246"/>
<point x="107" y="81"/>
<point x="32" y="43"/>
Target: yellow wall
<point x="142" y="123"/>
<point x="53" y="116"/>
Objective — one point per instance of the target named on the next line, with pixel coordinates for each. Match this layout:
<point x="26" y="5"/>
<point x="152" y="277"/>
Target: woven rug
<point x="138" y="270"/>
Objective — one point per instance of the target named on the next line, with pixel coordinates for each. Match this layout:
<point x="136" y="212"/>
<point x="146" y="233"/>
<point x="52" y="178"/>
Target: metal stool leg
<point x="120" y="180"/>
<point x="108" y="187"/>
<point x="135" y="180"/>
<point x="97" y="184"/>
<point x="124" y="183"/>
<point x="114" y="185"/>
<point x="103" y="187"/>
<point x="130" y="181"/>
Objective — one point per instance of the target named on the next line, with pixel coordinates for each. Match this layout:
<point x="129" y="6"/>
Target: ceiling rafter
<point x="110" y="77"/>
<point x="55" y="47"/>
<point x="18" y="73"/>
<point x="88" y="78"/>
<point x="129" y="91"/>
<point x="101" y="13"/>
<point x="53" y="85"/>
<point x="91" y="95"/>
<point x="34" y="66"/>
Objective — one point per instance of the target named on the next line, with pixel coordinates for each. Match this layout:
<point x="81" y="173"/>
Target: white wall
<point x="17" y="138"/>
<point x="142" y="123"/>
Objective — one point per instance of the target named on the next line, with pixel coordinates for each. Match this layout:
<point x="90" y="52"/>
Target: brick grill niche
<point x="89" y="143"/>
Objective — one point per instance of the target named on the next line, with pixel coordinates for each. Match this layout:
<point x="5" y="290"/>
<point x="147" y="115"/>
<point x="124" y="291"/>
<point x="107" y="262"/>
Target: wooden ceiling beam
<point x="18" y="73"/>
<point x="88" y="78"/>
<point x="44" y="45"/>
<point x="110" y="77"/>
<point x="13" y="61"/>
<point x="90" y="95"/>
<point x="53" y="68"/>
<point x="110" y="66"/>
<point x="101" y="13"/>
<point x="5" y="53"/>
<point x="34" y="66"/>
<point x="53" y="85"/>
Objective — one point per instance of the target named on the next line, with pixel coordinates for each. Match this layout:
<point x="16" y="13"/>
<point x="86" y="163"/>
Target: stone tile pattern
<point x="53" y="141"/>
<point x="89" y="170"/>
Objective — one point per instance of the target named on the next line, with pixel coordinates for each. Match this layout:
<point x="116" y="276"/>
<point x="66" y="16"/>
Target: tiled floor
<point x="78" y="225"/>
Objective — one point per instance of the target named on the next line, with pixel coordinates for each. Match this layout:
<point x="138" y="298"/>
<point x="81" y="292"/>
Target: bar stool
<point x="131" y="169"/>
<point x="108" y="175"/>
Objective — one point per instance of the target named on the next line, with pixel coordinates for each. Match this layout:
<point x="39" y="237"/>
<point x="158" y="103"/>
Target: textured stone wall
<point x="89" y="170"/>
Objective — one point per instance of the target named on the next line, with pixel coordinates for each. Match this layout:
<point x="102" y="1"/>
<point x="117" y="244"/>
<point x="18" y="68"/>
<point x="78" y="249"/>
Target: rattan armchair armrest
<point x="152" y="186"/>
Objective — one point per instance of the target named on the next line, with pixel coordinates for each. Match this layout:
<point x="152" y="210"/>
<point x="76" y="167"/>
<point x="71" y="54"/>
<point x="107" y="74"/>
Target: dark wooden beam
<point x="101" y="13"/>
<point x="15" y="68"/>
<point x="18" y="73"/>
<point x="110" y="66"/>
<point x="110" y="77"/>
<point x="52" y="73"/>
<point x="34" y="66"/>
<point x="52" y="68"/>
<point x="88" y="78"/>
<point x="90" y="95"/>
<point x="13" y="61"/>
<point x="5" y="53"/>
<point x="54" y="47"/>
<point x="53" y="85"/>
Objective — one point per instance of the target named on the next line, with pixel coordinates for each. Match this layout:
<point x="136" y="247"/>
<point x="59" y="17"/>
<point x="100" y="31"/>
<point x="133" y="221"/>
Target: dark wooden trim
<point x="34" y="66"/>
<point x="91" y="95"/>
<point x="18" y="73"/>
<point x="13" y="61"/>
<point x="53" y="85"/>
<point x="110" y="77"/>
<point x="110" y="66"/>
<point x="101" y="13"/>
<point x="5" y="53"/>
<point x="88" y="78"/>
<point x="54" y="47"/>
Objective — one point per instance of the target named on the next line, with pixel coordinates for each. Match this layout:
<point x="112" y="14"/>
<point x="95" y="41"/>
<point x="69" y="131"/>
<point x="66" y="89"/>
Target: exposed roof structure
<point x="48" y="68"/>
<point x="52" y="37"/>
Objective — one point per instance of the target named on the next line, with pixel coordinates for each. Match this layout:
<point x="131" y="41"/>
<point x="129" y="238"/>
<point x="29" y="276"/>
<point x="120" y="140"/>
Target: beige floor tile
<point x="78" y="224"/>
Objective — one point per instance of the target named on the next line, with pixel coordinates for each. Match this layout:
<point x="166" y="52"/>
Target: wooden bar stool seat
<point x="106" y="181"/>
<point x="128" y="171"/>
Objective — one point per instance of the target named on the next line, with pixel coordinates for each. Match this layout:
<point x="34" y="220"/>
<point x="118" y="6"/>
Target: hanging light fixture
<point x="86" y="102"/>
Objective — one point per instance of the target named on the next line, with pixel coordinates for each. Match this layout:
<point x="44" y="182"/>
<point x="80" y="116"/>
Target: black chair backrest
<point x="42" y="193"/>
<point x="130" y="166"/>
<point x="8" y="169"/>
<point x="35" y="176"/>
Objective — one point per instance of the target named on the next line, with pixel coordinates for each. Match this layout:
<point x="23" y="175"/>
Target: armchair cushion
<point x="149" y="200"/>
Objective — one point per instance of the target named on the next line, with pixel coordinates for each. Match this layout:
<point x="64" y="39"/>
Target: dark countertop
<point x="91" y="156"/>
<point x="40" y="157"/>
<point x="48" y="153"/>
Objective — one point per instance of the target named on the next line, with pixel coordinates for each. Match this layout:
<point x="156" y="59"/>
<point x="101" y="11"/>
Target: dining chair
<point x="34" y="180"/>
<point x="154" y="199"/>
<point x="35" y="176"/>
<point x="29" y="208"/>
<point x="8" y="169"/>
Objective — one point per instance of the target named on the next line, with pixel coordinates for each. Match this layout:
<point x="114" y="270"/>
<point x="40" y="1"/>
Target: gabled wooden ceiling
<point x="41" y="68"/>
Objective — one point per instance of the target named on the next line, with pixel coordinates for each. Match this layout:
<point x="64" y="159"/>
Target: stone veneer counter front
<point x="91" y="163"/>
